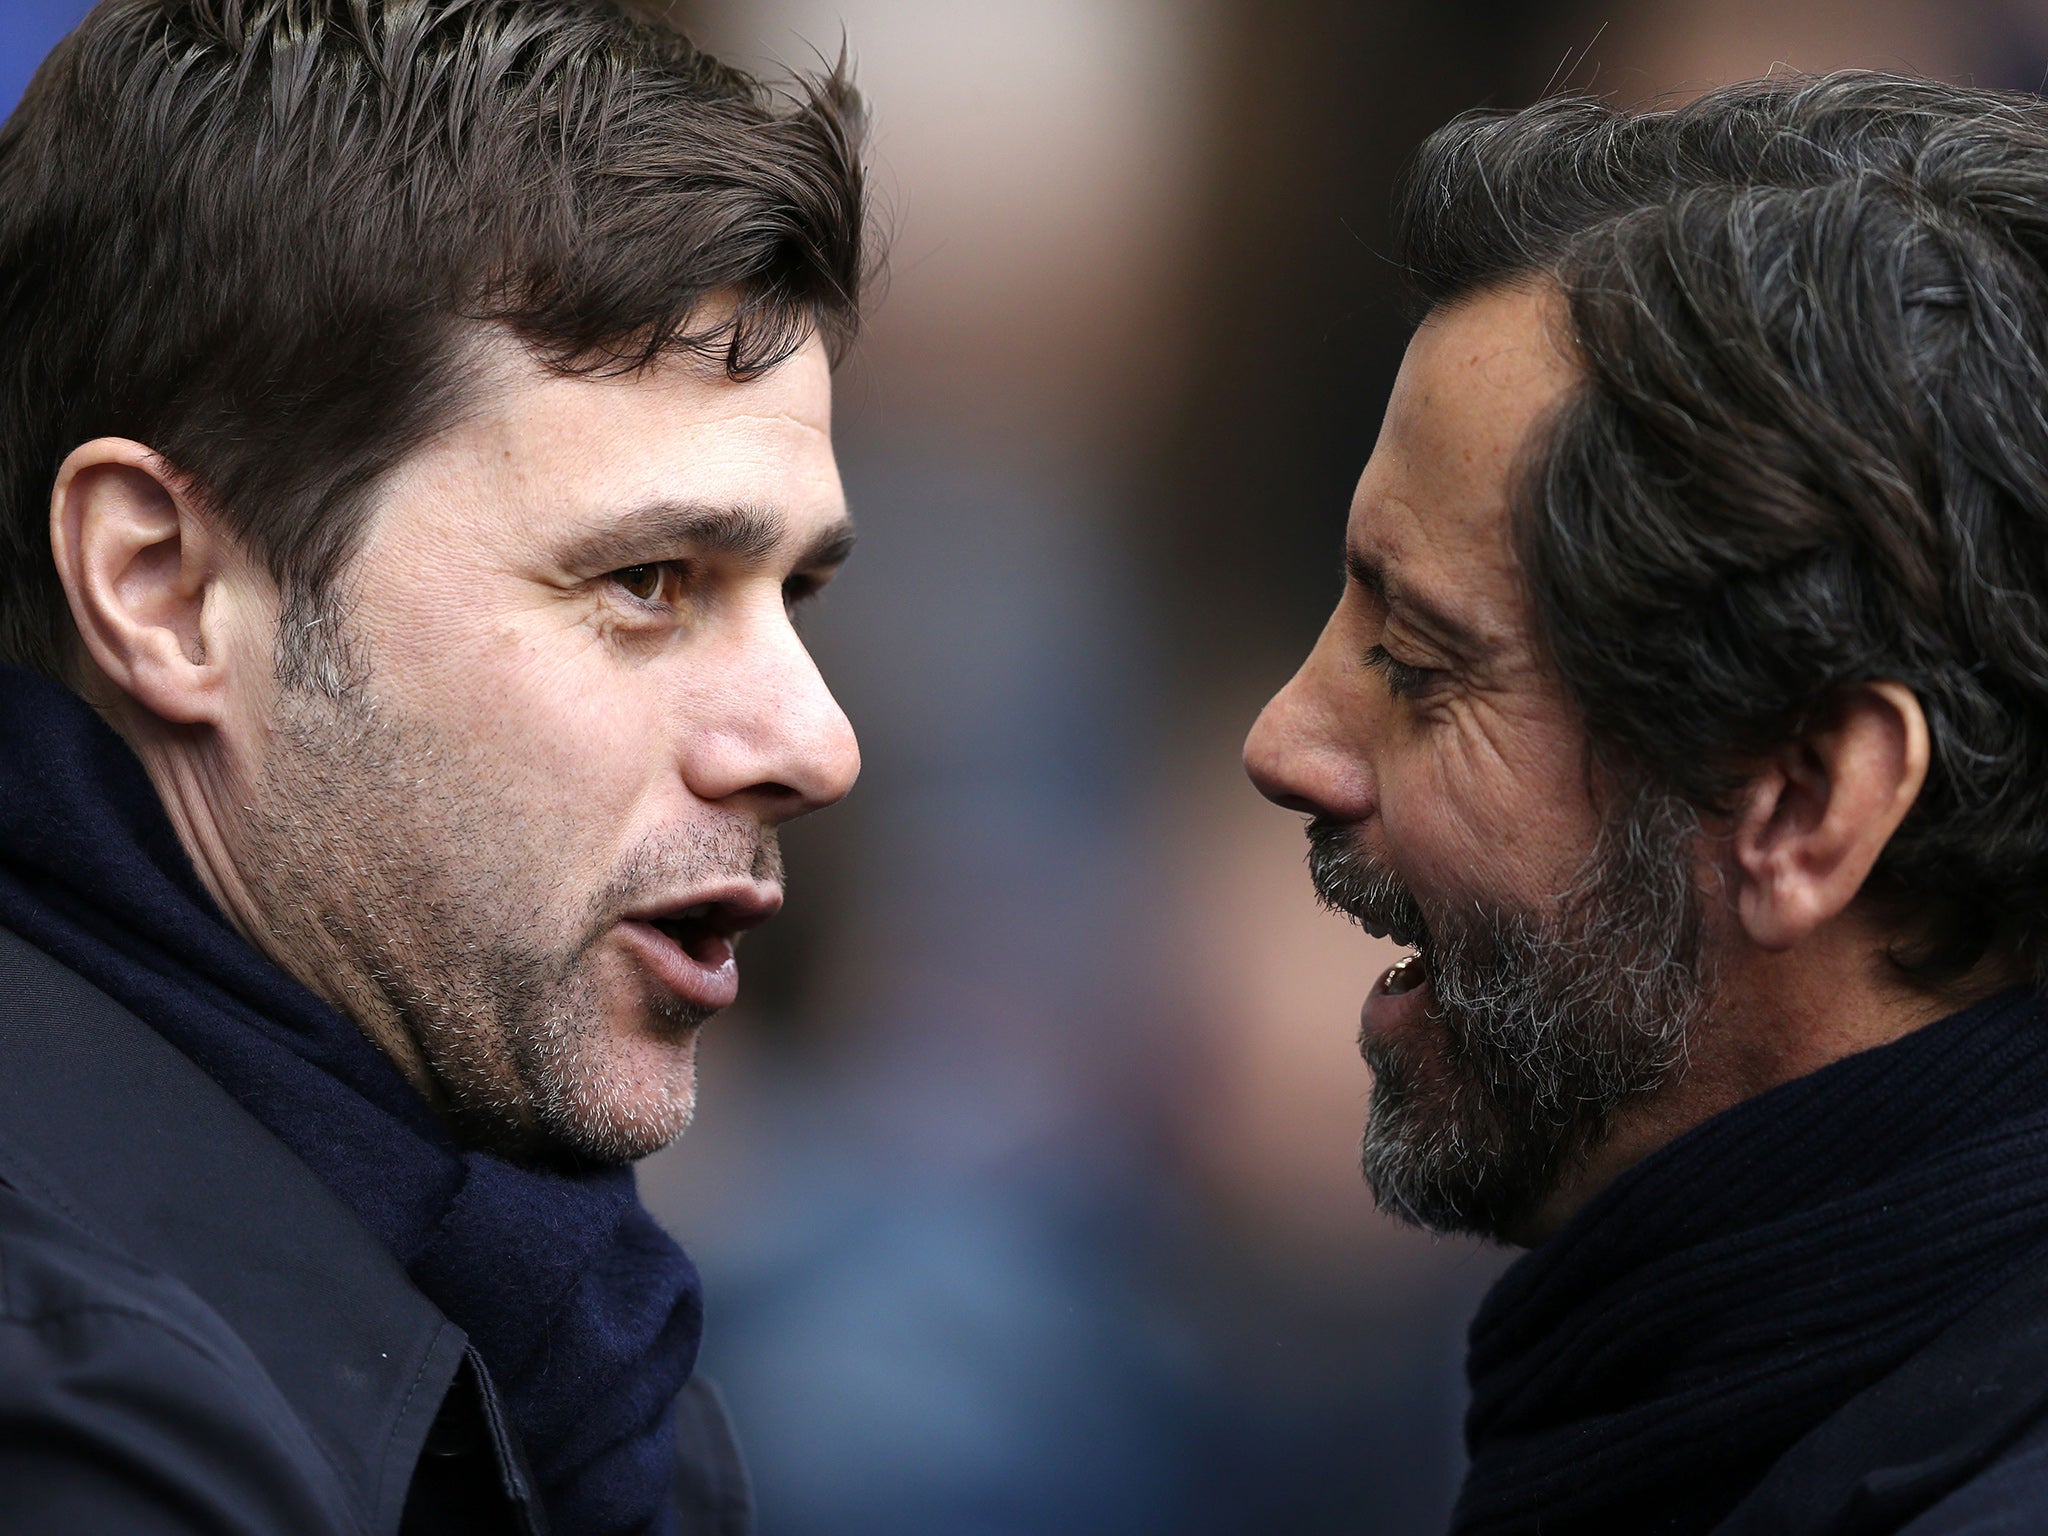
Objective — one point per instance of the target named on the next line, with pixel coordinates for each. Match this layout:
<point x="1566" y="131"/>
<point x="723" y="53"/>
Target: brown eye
<point x="643" y="581"/>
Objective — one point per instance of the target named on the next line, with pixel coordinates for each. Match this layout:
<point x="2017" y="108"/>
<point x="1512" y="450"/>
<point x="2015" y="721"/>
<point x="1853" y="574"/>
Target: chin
<point x="617" y="1092"/>
<point x="625" y="1100"/>
<point x="1438" y="1152"/>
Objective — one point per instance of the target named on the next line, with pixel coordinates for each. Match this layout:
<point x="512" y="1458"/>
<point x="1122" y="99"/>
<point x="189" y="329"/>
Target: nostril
<point x="775" y="802"/>
<point x="1299" y="803"/>
<point x="1315" y="782"/>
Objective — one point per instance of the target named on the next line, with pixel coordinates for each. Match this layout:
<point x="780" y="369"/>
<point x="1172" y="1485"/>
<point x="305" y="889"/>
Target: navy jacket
<point x="197" y="1337"/>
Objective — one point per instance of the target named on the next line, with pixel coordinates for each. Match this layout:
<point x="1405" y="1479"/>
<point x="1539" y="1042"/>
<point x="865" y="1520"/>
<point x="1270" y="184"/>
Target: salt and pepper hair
<point x="261" y="236"/>
<point x="1809" y="449"/>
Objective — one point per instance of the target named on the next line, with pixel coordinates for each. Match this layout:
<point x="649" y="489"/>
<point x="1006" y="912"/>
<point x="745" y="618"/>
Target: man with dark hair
<point x="1686" y="710"/>
<point x="414" y="438"/>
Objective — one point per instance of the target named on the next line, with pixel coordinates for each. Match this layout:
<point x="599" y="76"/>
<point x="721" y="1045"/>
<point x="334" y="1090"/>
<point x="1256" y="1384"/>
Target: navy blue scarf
<point x="1642" y="1370"/>
<point x="586" y="1313"/>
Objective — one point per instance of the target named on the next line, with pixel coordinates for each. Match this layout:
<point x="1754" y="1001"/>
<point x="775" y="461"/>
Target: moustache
<point x="1351" y="882"/>
<point x="730" y="849"/>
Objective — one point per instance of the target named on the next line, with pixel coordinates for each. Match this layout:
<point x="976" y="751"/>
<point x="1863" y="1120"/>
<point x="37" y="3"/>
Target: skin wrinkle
<point x="1406" y="605"/>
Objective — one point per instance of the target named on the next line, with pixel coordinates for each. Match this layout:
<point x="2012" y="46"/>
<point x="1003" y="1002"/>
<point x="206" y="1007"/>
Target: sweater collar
<point x="1729" y="1291"/>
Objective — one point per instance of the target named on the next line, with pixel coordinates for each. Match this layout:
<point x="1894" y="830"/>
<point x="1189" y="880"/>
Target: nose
<point x="1269" y="750"/>
<point x="1309" y="748"/>
<point x="780" y="746"/>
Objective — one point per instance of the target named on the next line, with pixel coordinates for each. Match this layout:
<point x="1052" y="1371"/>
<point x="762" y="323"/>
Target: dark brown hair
<point x="1810" y="448"/>
<point x="256" y="235"/>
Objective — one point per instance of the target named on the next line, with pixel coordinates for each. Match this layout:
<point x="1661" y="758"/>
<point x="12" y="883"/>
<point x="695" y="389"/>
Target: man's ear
<point x="139" y="563"/>
<point x="1814" y="819"/>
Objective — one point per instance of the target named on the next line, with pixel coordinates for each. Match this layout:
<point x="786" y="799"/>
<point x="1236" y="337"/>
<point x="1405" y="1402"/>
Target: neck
<point x="1776" y="1016"/>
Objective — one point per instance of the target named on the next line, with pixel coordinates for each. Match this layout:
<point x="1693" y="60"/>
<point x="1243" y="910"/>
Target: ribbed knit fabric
<point x="586" y="1313"/>
<point x="1639" y="1372"/>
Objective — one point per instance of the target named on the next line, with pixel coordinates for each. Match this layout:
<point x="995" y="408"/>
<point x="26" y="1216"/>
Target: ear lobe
<point x="138" y="564"/>
<point x="1815" y="819"/>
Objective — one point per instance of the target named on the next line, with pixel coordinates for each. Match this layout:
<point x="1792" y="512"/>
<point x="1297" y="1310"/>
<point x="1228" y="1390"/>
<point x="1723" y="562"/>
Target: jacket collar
<point x="103" y="1118"/>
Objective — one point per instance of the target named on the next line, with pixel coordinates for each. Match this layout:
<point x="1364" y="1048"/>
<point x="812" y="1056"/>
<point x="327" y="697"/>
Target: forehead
<point x="1431" y="507"/>
<point x="541" y="454"/>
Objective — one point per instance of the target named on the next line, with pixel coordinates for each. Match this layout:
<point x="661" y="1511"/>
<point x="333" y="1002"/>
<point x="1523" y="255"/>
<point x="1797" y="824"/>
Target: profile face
<point x="1453" y="804"/>
<point x="537" y="809"/>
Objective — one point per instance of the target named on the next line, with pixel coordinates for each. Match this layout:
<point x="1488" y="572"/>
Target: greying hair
<point x="1810" y="448"/>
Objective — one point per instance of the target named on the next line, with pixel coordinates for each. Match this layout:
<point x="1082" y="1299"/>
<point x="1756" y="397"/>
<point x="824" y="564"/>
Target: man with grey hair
<point x="1686" y="711"/>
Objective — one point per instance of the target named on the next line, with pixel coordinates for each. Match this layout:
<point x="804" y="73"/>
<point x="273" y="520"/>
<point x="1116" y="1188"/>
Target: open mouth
<point x="1404" y="975"/>
<point x="1399" y="1001"/>
<point x="709" y="933"/>
<point x="692" y="950"/>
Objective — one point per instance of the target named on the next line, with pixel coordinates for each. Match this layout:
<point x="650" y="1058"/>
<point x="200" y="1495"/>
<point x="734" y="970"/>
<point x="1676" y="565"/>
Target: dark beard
<point x="1545" y="1022"/>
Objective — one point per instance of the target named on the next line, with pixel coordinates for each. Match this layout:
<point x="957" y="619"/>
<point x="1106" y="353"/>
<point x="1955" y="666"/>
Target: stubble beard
<point x="1542" y="1024"/>
<point x="402" y="887"/>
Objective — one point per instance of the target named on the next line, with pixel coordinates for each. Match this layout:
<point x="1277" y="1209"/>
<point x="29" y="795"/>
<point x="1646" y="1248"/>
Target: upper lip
<point x="1400" y="935"/>
<point x="726" y="910"/>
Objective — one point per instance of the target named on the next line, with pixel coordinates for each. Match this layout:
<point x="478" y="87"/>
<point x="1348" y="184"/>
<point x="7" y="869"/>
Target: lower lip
<point x="1387" y="1012"/>
<point x="712" y="982"/>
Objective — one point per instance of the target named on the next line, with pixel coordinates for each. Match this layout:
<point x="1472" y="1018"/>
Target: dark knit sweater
<point x="1642" y="1370"/>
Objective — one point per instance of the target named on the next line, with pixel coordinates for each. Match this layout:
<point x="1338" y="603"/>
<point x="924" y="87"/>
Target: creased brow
<point x="1417" y="607"/>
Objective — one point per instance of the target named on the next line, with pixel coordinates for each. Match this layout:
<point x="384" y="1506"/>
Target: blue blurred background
<point x="1024" y="1185"/>
<point x="28" y="30"/>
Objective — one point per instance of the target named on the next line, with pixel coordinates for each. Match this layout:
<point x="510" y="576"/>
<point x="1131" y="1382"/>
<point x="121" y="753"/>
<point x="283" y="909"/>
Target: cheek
<point x="549" y="722"/>
<point x="1473" y="804"/>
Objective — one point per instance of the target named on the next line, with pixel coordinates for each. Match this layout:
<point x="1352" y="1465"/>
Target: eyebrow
<point x="664" y="529"/>
<point x="1425" y="611"/>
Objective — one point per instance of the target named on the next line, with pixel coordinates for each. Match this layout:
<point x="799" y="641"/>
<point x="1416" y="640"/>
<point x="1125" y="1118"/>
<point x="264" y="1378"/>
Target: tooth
<point x="1404" y="976"/>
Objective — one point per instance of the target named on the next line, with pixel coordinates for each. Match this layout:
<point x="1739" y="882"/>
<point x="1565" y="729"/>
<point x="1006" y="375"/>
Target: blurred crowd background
<point x="1024" y="1184"/>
